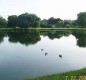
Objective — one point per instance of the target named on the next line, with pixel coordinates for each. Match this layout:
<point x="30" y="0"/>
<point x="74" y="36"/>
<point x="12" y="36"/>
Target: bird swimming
<point x="42" y="49"/>
<point x="60" y="56"/>
<point x="46" y="54"/>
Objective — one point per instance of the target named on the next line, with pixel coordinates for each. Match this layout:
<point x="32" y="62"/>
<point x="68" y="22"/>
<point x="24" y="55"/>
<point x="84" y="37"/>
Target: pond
<point x="32" y="53"/>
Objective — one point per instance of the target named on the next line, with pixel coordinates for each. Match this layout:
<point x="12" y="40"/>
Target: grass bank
<point x="71" y="75"/>
<point x="45" y="28"/>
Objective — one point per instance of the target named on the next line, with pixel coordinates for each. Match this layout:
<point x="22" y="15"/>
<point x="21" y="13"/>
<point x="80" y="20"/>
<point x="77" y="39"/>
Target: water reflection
<point x="2" y="35"/>
<point x="58" y="34"/>
<point x="29" y="37"/>
<point x="24" y="37"/>
<point x="81" y="38"/>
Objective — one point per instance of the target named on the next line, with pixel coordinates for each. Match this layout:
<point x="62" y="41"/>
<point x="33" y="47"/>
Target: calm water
<point x="21" y="56"/>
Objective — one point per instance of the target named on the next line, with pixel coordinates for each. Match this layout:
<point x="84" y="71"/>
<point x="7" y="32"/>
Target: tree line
<point x="27" y="20"/>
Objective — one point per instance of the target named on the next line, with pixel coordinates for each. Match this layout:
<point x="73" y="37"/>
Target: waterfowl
<point x="46" y="54"/>
<point x="60" y="56"/>
<point x="42" y="49"/>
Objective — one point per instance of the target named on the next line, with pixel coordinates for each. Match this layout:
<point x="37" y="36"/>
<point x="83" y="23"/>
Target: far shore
<point x="44" y="28"/>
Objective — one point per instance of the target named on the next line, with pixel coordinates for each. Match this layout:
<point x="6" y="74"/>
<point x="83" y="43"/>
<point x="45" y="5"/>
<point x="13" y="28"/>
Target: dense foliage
<point x="82" y="19"/>
<point x="3" y="22"/>
<point x="24" y="21"/>
<point x="27" y="20"/>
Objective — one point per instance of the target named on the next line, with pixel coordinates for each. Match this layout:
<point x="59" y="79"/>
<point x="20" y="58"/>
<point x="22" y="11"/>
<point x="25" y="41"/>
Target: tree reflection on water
<point x="30" y="37"/>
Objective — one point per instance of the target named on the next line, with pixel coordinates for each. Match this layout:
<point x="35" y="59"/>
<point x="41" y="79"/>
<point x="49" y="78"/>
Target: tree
<point x="81" y="20"/>
<point x="28" y="20"/>
<point x="55" y="22"/>
<point x="51" y="21"/>
<point x="43" y="23"/>
<point x="3" y="22"/>
<point x="12" y="21"/>
<point x="24" y="21"/>
<point x="74" y="23"/>
<point x="60" y="23"/>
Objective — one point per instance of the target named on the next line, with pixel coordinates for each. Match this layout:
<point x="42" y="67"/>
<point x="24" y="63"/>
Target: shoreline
<point x="44" y="28"/>
<point x="70" y="75"/>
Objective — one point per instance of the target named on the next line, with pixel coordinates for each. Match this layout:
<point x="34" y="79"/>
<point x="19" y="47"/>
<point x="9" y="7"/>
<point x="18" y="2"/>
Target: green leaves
<point x="3" y="22"/>
<point x="24" y="21"/>
<point x="82" y="19"/>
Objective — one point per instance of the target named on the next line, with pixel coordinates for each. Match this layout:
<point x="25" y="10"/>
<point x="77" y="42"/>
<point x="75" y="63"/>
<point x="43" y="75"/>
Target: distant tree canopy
<point x="81" y="20"/>
<point x="3" y="22"/>
<point x="55" y="22"/>
<point x="24" y="21"/>
<point x="43" y="23"/>
<point x="59" y="23"/>
<point x="12" y="21"/>
<point x="27" y="20"/>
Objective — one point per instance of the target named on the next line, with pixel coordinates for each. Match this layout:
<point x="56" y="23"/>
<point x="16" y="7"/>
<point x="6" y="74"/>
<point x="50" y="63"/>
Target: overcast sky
<point x="64" y="9"/>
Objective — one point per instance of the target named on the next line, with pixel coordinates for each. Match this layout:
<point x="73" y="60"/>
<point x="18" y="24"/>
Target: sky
<point x="64" y="9"/>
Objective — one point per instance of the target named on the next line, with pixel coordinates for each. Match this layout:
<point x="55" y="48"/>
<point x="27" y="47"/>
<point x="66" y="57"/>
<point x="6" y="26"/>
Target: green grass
<point x="62" y="76"/>
<point x="42" y="29"/>
<point x="45" y="28"/>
